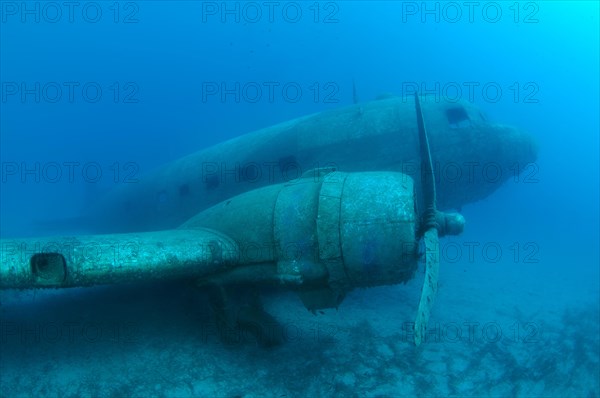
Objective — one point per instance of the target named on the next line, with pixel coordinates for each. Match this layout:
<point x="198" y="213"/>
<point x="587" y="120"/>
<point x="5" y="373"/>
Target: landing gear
<point x="240" y="317"/>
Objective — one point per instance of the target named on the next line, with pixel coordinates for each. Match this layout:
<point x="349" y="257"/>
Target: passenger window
<point x="184" y="190"/>
<point x="212" y="182"/>
<point x="286" y="162"/>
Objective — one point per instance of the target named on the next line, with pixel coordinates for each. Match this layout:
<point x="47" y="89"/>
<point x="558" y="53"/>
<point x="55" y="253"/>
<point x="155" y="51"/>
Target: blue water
<point x="141" y="75"/>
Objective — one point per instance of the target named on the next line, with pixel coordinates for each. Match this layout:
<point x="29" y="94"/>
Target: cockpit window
<point x="457" y="117"/>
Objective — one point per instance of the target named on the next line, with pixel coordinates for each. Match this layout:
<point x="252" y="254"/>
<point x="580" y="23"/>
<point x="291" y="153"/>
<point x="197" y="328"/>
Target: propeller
<point x="434" y="224"/>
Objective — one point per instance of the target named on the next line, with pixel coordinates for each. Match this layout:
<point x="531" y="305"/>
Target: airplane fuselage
<point x="471" y="157"/>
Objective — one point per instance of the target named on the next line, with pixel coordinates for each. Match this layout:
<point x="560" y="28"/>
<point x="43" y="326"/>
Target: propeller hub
<point x="450" y="223"/>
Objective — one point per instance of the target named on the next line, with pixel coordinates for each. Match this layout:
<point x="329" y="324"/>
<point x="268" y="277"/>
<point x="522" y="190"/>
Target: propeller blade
<point x="430" y="228"/>
<point x="430" y="285"/>
<point x="427" y="178"/>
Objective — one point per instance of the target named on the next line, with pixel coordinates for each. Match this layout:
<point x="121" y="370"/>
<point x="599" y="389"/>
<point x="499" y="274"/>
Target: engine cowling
<point x="327" y="233"/>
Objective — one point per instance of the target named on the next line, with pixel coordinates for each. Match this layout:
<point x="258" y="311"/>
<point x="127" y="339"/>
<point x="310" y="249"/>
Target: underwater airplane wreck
<point x="322" y="204"/>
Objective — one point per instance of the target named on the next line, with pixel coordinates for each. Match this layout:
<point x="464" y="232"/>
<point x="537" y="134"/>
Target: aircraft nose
<point x="523" y="153"/>
<point x="517" y="145"/>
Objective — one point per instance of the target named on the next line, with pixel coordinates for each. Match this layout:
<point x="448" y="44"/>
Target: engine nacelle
<point x="327" y="233"/>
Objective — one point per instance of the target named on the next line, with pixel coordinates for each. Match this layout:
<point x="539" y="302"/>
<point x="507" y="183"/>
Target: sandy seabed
<point x="488" y="336"/>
